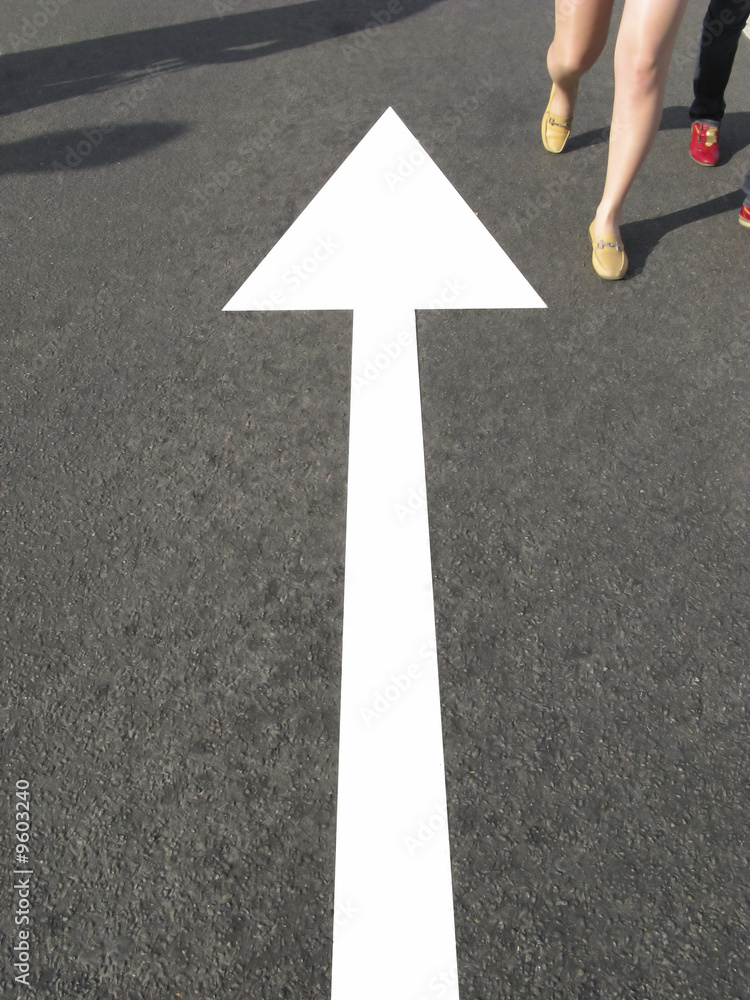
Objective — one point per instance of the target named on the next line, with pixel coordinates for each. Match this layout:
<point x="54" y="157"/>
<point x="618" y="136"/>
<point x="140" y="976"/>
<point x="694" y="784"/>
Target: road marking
<point x="388" y="234"/>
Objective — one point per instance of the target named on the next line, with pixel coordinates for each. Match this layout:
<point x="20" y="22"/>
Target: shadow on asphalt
<point x="30" y="79"/>
<point x="74" y="149"/>
<point x="642" y="237"/>
<point x="735" y="131"/>
<point x="593" y="137"/>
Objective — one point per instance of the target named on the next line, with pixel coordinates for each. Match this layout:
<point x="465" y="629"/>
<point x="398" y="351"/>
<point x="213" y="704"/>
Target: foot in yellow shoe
<point x="555" y="130"/>
<point x="608" y="257"/>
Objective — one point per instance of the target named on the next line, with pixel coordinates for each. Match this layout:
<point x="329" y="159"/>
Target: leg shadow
<point x="641" y="238"/>
<point x="85" y="148"/>
<point x="733" y="138"/>
<point x="735" y="131"/>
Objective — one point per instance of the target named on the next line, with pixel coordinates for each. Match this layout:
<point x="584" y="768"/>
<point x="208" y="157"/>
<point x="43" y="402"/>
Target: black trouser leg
<point x="722" y="27"/>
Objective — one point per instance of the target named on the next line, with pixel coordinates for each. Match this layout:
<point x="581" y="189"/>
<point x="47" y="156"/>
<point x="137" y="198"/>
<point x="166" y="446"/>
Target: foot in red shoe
<point x="704" y="143"/>
<point x="745" y="215"/>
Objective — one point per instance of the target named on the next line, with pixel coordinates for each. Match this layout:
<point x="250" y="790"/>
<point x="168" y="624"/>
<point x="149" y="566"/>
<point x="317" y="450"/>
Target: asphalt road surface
<point x="174" y="492"/>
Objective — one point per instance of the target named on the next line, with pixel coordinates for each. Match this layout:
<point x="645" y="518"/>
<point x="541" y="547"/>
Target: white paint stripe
<point x="394" y="930"/>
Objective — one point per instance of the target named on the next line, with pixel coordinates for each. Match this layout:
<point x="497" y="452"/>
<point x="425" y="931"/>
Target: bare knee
<point x="571" y="60"/>
<point x="640" y="74"/>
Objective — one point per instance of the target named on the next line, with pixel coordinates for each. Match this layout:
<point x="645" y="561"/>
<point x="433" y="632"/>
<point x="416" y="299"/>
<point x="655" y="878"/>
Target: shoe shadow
<point x="675" y="117"/>
<point x="640" y="238"/>
<point x="735" y="131"/>
<point x="593" y="137"/>
<point x="733" y="138"/>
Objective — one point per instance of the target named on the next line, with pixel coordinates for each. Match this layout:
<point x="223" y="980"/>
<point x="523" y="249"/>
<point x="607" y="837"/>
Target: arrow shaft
<point x="393" y="916"/>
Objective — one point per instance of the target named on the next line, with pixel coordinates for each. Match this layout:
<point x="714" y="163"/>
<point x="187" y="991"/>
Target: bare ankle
<point x="564" y="100"/>
<point x="606" y="221"/>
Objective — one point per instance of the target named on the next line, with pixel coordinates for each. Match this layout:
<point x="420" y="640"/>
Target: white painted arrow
<point x="386" y="235"/>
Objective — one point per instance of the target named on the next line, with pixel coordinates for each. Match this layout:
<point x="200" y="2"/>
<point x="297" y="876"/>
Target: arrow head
<point x="388" y="226"/>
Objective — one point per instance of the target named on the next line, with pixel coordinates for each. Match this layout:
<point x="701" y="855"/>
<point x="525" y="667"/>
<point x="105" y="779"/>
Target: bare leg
<point x="581" y="28"/>
<point x="644" y="48"/>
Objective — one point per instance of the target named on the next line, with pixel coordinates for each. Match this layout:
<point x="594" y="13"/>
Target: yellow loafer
<point x="608" y="257"/>
<point x="555" y="130"/>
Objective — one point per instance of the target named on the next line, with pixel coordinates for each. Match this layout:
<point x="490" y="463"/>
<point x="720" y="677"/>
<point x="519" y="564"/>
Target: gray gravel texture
<point x="174" y="488"/>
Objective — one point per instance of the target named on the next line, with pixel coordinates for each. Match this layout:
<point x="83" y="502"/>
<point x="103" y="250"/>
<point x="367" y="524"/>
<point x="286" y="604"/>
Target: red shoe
<point x="745" y="216"/>
<point x="704" y="143"/>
